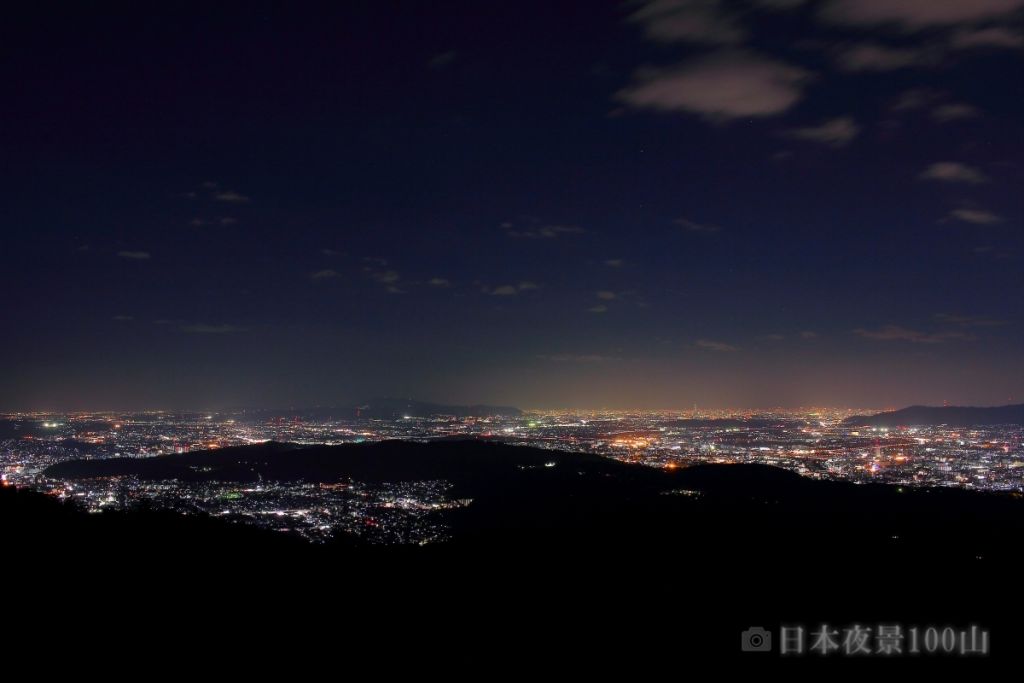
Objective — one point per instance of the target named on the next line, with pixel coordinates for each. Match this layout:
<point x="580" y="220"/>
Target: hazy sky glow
<point x="571" y="204"/>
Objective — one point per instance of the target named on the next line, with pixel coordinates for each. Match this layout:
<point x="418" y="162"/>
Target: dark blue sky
<point x="583" y="204"/>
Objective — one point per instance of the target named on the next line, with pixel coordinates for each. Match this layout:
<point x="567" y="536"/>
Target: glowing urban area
<point x="816" y="443"/>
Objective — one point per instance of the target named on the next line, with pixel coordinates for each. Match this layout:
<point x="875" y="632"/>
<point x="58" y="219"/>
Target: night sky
<point x="545" y="204"/>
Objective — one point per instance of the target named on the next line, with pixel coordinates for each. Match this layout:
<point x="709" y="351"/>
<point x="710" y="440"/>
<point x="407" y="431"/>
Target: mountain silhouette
<point x="952" y="416"/>
<point x="555" y="547"/>
<point x="531" y="497"/>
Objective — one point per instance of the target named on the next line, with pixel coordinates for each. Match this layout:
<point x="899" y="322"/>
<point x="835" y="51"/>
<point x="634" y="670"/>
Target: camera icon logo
<point x="756" y="639"/>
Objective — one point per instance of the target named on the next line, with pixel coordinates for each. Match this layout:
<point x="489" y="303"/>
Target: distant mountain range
<point x="383" y="409"/>
<point x="390" y="408"/>
<point x="954" y="416"/>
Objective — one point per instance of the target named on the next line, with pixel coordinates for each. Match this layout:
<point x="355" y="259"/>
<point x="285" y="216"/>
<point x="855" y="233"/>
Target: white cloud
<point x="606" y="295"/>
<point x="134" y="255"/>
<point x="953" y="172"/>
<point x="954" y="111"/>
<point x="976" y="216"/>
<point x="875" y="57"/>
<point x="716" y="346"/>
<point x="613" y="262"/>
<point x="212" y="329"/>
<point x="229" y="196"/>
<point x="836" y="132"/>
<point x="779" y="4"/>
<point x="995" y="36"/>
<point x="898" y="333"/>
<point x="720" y="87"/>
<point x="386" y="277"/>
<point x="442" y="59"/>
<point x="694" y="226"/>
<point x="694" y="21"/>
<point x="600" y="308"/>
<point x="325" y="274"/>
<point x="547" y="232"/>
<point x="512" y="290"/>
<point x="922" y="98"/>
<point x="439" y="282"/>
<point x="578" y="358"/>
<point x="916" y="98"/>
<point x="968" y="320"/>
<point x="912" y="15"/>
<point x="389" y="278"/>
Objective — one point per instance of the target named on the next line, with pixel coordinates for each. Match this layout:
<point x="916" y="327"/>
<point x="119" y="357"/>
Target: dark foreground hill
<point x="952" y="416"/>
<point x="582" y="552"/>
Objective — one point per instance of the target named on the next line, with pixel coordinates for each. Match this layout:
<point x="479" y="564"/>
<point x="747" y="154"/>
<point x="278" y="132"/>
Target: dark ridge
<point x="19" y="429"/>
<point x="652" y="557"/>
<point x="745" y="478"/>
<point x="532" y="496"/>
<point x="457" y="460"/>
<point x="952" y="416"/>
